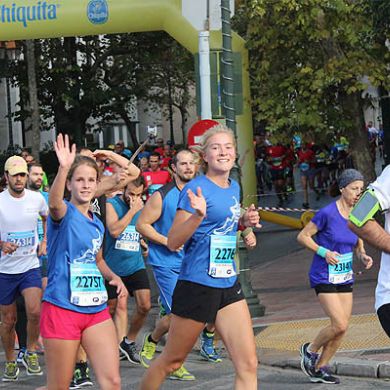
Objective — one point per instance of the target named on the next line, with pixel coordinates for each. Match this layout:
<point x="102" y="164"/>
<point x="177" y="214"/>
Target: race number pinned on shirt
<point x="222" y="252"/>
<point x="24" y="240"/>
<point x="342" y="271"/>
<point x="128" y="240"/>
<point x="86" y="285"/>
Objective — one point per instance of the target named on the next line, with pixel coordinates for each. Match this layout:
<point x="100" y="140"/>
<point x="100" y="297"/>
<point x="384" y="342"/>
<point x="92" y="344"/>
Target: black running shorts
<point x="333" y="288"/>
<point x="201" y="303"/>
<point x="136" y="281"/>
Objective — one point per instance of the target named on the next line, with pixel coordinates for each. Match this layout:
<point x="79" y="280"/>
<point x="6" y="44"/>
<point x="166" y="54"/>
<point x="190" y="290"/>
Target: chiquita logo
<point x="25" y="14"/>
<point x="97" y="11"/>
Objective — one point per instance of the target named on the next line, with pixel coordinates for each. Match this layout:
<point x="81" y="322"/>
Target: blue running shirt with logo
<point x="209" y="253"/>
<point x="74" y="243"/>
<point x="123" y="254"/>
<point x="335" y="235"/>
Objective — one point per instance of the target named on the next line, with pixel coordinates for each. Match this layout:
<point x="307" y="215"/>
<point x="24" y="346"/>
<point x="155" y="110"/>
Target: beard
<point x="34" y="186"/>
<point x="16" y="190"/>
<point x="185" y="178"/>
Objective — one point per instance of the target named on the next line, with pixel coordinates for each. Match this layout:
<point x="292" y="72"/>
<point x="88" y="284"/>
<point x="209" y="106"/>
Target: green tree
<point x="311" y="61"/>
<point x="101" y="78"/>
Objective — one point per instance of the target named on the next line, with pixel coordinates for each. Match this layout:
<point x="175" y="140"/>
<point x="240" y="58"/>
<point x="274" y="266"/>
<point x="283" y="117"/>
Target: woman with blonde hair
<point x="208" y="291"/>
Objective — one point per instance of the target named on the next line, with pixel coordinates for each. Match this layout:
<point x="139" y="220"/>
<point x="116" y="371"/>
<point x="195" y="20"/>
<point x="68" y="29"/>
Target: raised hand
<point x="197" y="202"/>
<point x="102" y="154"/>
<point x="251" y="217"/>
<point x="136" y="204"/>
<point x="64" y="152"/>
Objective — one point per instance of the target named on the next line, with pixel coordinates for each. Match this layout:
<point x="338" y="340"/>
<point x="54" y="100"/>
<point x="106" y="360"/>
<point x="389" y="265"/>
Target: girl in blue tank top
<point x="206" y="221"/>
<point x="74" y="310"/>
<point x="331" y="273"/>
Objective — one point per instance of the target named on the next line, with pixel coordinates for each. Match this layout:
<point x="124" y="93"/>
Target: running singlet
<point x="276" y="157"/>
<point x="19" y="224"/>
<point x="74" y="281"/>
<point x="155" y="180"/>
<point x="123" y="254"/>
<point x="160" y="255"/>
<point x="209" y="253"/>
<point x="333" y="234"/>
<point x="306" y="159"/>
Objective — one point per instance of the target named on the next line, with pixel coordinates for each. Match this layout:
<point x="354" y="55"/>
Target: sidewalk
<point x="293" y="316"/>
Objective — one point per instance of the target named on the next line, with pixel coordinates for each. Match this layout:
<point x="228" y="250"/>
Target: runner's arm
<point x="132" y="170"/>
<point x="150" y="214"/>
<point x="114" y="224"/>
<point x="107" y="274"/>
<point x="305" y="236"/>
<point x="374" y="234"/>
<point x="42" y="248"/>
<point x="66" y="155"/>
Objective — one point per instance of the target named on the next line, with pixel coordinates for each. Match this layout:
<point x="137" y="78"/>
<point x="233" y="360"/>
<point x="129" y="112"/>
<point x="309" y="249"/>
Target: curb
<point x="341" y="366"/>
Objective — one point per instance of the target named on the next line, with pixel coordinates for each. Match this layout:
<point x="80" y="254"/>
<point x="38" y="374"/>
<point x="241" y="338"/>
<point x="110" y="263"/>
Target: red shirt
<point x="154" y="180"/>
<point x="276" y="157"/>
<point x="306" y="157"/>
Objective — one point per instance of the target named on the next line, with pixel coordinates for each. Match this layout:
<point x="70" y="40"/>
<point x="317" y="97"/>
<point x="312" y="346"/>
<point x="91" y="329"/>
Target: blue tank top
<point x="214" y="242"/>
<point x="160" y="255"/>
<point x="75" y="239"/>
<point x="123" y="254"/>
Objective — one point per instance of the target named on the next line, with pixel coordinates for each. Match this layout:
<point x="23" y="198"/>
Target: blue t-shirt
<point x="222" y="215"/>
<point x="123" y="254"/>
<point x="75" y="239"/>
<point x="160" y="255"/>
<point x="333" y="234"/>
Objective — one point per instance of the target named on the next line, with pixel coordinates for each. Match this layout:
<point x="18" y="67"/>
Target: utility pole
<point x="227" y="68"/>
<point x="33" y="97"/>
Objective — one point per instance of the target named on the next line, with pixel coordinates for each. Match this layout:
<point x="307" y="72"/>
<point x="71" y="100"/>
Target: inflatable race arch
<point x="31" y="19"/>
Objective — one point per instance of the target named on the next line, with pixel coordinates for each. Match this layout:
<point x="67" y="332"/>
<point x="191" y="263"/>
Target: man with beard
<point x="123" y="254"/>
<point x="19" y="264"/>
<point x="154" y="223"/>
<point x="34" y="183"/>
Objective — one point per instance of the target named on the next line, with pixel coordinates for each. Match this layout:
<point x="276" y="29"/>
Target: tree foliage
<point x="311" y="62"/>
<point x="84" y="83"/>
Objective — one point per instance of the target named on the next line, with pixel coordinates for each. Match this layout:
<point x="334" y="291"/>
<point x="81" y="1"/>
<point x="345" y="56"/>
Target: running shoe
<point x="147" y="351"/>
<point x="81" y="376"/>
<point x="31" y="362"/>
<point x="11" y="372"/>
<point x="323" y="375"/>
<point x="122" y="356"/>
<point x="207" y="350"/>
<point x="308" y="360"/>
<point x="182" y="374"/>
<point x="21" y="353"/>
<point x="130" y="351"/>
<point x="73" y="385"/>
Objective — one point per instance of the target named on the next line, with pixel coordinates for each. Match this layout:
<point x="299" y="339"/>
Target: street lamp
<point x="7" y="54"/>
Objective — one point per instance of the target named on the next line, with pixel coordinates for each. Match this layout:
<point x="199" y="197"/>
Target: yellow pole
<point x="284" y="220"/>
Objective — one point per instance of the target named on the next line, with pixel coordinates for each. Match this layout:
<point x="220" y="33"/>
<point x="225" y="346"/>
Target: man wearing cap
<point x="19" y="264"/>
